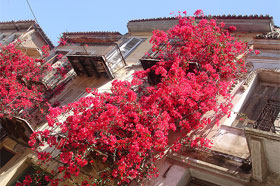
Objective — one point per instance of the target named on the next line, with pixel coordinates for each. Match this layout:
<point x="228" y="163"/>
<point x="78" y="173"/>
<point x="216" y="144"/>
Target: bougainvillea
<point x="20" y="86"/>
<point x="62" y="41"/>
<point x="127" y="128"/>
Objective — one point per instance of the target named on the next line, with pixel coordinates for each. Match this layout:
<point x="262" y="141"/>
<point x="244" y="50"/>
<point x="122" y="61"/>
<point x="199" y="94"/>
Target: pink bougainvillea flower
<point x="231" y="28"/>
<point x="20" y="81"/>
<point x="257" y="52"/>
<point x="127" y="129"/>
<point x="62" y="41"/>
<point x="198" y="13"/>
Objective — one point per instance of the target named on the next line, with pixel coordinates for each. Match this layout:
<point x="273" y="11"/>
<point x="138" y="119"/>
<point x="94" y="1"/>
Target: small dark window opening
<point x="196" y="182"/>
<point x="16" y="129"/>
<point x="53" y="78"/>
<point x="154" y="79"/>
<point x="153" y="56"/>
<point x="5" y="156"/>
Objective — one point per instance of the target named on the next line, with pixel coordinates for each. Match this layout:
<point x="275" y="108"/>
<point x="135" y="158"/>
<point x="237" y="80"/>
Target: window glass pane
<point x="127" y="47"/>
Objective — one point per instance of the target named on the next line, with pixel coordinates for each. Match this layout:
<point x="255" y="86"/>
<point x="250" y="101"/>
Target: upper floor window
<point x="6" y="39"/>
<point x="153" y="56"/>
<point x="261" y="108"/>
<point x="116" y="55"/>
<point x="61" y="68"/>
<point x="5" y="156"/>
<point x="16" y="128"/>
<point x="129" y="45"/>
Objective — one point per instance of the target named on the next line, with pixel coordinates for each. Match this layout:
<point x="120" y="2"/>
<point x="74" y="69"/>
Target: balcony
<point x="267" y="120"/>
<point x="261" y="106"/>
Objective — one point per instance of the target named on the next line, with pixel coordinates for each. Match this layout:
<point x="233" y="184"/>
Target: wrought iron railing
<point x="268" y="116"/>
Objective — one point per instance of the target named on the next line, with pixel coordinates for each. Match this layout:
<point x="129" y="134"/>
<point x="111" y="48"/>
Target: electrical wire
<point x="32" y="12"/>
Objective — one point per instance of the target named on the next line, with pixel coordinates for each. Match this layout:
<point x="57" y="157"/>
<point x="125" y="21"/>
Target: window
<point x="267" y="117"/>
<point x="7" y="39"/>
<point x="16" y="128"/>
<point x="261" y="107"/>
<point x="197" y="182"/>
<point x="2" y="38"/>
<point x="114" y="57"/>
<point x="54" y="77"/>
<point x="153" y="56"/>
<point x="128" y="46"/>
<point x="5" y="156"/>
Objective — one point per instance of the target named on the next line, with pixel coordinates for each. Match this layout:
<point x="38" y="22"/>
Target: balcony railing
<point x="268" y="116"/>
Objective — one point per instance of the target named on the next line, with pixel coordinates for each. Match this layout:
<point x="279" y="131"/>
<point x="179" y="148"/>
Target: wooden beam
<point x="70" y="59"/>
<point x="84" y="67"/>
<point x="94" y="68"/>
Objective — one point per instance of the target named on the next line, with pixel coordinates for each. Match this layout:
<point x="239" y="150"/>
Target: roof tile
<point x="209" y="16"/>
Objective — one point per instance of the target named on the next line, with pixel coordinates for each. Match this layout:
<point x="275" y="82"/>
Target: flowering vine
<point x="127" y="129"/>
<point x="20" y="81"/>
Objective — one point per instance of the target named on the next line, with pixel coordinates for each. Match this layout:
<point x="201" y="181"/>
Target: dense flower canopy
<point x="128" y="127"/>
<point x="20" y="86"/>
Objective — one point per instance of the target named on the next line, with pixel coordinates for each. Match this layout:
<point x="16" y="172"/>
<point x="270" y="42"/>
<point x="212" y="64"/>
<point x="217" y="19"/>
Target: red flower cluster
<point x="19" y="81"/>
<point x="129" y="126"/>
<point x="232" y="28"/>
<point x="46" y="50"/>
<point x="257" y="52"/>
<point x="62" y="41"/>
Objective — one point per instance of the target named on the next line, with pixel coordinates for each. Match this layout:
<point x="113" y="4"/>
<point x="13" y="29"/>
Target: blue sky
<point x="57" y="16"/>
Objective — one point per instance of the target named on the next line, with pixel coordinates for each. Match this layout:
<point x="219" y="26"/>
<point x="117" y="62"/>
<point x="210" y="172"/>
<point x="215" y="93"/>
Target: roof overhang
<point x="24" y="25"/>
<point x="92" y="37"/>
<point x="242" y="23"/>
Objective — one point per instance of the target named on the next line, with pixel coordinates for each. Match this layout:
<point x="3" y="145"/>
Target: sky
<point x="58" y="16"/>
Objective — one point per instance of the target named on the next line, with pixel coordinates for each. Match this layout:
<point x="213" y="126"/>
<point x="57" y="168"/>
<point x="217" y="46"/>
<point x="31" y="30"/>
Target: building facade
<point x="245" y="151"/>
<point x="14" y="133"/>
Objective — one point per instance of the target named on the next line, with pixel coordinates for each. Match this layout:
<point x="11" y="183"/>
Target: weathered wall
<point x="265" y="149"/>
